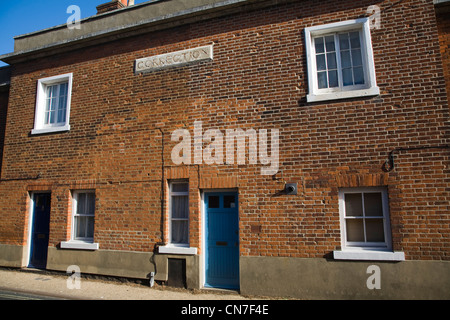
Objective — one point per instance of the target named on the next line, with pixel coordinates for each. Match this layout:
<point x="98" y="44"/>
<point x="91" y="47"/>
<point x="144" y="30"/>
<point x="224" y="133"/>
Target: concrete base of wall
<point x="331" y="279"/>
<point x="126" y="264"/>
<point x="12" y="255"/>
<point x="192" y="268"/>
<point x="138" y="265"/>
<point x="311" y="278"/>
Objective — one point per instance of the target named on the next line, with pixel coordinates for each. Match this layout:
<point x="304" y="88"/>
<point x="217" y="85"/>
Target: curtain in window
<point x="84" y="216"/>
<point x="180" y="220"/>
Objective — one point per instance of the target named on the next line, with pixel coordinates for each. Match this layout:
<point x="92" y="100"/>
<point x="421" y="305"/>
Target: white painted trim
<point x="39" y="127"/>
<point x="369" y="255"/>
<point x="170" y="249"/>
<point x="370" y="89"/>
<point x="203" y="240"/>
<point x="79" y="245"/>
<point x="440" y="1"/>
<point x="51" y="129"/>
<point x="374" y="91"/>
<point x="30" y="227"/>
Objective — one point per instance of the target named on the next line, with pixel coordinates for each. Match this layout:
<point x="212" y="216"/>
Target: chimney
<point x="114" y="5"/>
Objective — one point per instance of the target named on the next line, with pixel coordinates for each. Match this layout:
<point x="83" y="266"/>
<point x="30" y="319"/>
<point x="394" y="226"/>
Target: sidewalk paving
<point x="55" y="285"/>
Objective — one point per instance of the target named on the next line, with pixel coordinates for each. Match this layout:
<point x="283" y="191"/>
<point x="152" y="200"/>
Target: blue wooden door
<point x="222" y="240"/>
<point x="40" y="230"/>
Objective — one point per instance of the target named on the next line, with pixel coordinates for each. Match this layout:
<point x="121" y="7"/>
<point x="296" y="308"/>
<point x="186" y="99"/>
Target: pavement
<point x="60" y="285"/>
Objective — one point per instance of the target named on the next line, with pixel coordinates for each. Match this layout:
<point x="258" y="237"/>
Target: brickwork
<point x="110" y="6"/>
<point x="121" y="125"/>
<point x="4" y="95"/>
<point x="443" y="23"/>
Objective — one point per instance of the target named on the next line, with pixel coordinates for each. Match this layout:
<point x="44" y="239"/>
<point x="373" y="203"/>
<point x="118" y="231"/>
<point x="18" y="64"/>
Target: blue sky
<point x="19" y="17"/>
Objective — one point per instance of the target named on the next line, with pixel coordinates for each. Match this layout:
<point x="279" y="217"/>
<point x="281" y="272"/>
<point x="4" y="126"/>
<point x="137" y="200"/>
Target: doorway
<point x="222" y="240"/>
<point x="40" y="230"/>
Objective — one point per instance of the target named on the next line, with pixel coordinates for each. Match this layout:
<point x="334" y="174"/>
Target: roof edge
<point x="212" y="10"/>
<point x="87" y="19"/>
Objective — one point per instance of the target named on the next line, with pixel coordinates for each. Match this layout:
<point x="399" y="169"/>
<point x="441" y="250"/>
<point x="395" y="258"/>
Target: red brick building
<point x="123" y="150"/>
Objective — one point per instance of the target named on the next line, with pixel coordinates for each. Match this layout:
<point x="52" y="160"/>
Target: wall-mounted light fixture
<point x="290" y="188"/>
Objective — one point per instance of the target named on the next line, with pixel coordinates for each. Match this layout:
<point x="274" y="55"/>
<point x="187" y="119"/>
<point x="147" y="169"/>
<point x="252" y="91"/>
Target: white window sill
<point x="79" y="245"/>
<point x="343" y="94"/>
<point x="373" y="255"/>
<point x="177" y="250"/>
<point x="51" y="130"/>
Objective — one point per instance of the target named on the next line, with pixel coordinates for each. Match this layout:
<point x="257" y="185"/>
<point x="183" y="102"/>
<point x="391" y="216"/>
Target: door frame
<point x="30" y="223"/>
<point x="204" y="231"/>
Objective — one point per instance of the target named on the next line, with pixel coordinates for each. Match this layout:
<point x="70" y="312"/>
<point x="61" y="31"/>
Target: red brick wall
<point x="443" y="23"/>
<point x="4" y="95"/>
<point x="257" y="80"/>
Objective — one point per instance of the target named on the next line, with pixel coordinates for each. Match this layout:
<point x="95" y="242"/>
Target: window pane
<point x="331" y="60"/>
<point x="346" y="59"/>
<point x="329" y="43"/>
<point x="56" y="103"/>
<point x="373" y="206"/>
<point x="62" y="109"/>
<point x="374" y="230"/>
<point x="357" y="58"/>
<point x="47" y="118"/>
<point x="51" y="103"/>
<point x="81" y="203"/>
<point x="322" y="80"/>
<point x="358" y="75"/>
<point x="229" y="202"/>
<point x="90" y="203"/>
<point x="319" y="45"/>
<point x="353" y="205"/>
<point x="90" y="227"/>
<point x="63" y="89"/>
<point x="343" y="41"/>
<point x="180" y="187"/>
<point x="333" y="78"/>
<point x="180" y="232"/>
<point x="51" y="91"/>
<point x="180" y="207"/>
<point x="355" y="230"/>
<point x="347" y="77"/>
<point x="80" y="227"/>
<point x="213" y="202"/>
<point x="321" y="63"/>
<point x="49" y="100"/>
<point x="354" y="40"/>
<point x="52" y="117"/>
<point x="61" y="113"/>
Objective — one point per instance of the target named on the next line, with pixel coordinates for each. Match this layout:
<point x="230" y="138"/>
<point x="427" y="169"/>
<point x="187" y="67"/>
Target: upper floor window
<point x="340" y="61"/>
<point x="53" y="104"/>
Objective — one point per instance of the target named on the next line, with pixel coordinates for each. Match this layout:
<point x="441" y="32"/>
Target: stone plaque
<point x="174" y="59"/>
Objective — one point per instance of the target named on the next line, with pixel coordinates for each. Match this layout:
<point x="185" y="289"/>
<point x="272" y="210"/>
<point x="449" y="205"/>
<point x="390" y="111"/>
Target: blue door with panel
<point x="222" y="240"/>
<point x="40" y="230"/>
